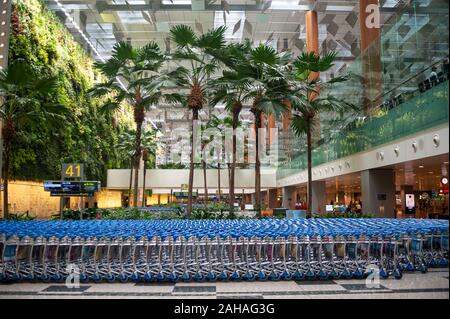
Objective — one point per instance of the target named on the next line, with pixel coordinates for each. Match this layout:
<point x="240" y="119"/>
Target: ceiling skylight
<point x="176" y="2"/>
<point x="231" y="19"/>
<point x="289" y="5"/>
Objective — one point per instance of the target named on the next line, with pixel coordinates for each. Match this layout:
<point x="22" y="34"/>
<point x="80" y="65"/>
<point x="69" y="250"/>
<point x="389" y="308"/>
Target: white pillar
<point x="319" y="197"/>
<point x="378" y="192"/>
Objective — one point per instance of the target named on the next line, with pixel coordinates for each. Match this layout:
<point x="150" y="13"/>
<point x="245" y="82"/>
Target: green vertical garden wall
<point x="86" y="136"/>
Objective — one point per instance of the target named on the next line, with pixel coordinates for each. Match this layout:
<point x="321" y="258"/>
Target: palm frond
<point x="299" y="125"/>
<point x="123" y="51"/>
<point x="183" y="35"/>
<point x="213" y="39"/>
<point x="264" y="54"/>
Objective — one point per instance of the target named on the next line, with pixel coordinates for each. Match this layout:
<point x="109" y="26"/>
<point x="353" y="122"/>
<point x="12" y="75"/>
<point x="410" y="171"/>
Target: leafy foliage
<point x="86" y="136"/>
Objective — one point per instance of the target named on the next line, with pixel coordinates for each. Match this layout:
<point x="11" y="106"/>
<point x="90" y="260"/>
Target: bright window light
<point x="177" y="2"/>
<point x="390" y="3"/>
<point x="231" y="20"/>
<point x="289" y="5"/>
<point x="131" y="17"/>
<point x="340" y="8"/>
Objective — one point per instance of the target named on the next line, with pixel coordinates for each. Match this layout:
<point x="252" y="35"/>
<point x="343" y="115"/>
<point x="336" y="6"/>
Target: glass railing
<point x="425" y="110"/>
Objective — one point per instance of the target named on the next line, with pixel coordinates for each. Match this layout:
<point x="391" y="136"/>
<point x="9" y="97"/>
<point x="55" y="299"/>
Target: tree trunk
<point x="137" y="159"/>
<point x="218" y="181"/>
<point x="8" y="133"/>
<point x="204" y="178"/>
<point x="257" y="166"/>
<point x="6" y="153"/>
<point x="130" y="189"/>
<point x="309" y="186"/>
<point x="191" y="165"/>
<point x="232" y="172"/>
<point x="143" y="186"/>
<point x="237" y="107"/>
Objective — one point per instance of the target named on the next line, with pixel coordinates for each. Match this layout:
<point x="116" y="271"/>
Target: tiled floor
<point x="432" y="285"/>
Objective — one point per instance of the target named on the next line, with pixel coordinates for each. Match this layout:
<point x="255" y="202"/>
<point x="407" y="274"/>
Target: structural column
<point x="312" y="45"/>
<point x="369" y="23"/>
<point x="289" y="197"/>
<point x="319" y="197"/>
<point x="272" y="195"/>
<point x="378" y="192"/>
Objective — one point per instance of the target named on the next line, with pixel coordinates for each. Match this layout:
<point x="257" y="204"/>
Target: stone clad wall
<point x="30" y="196"/>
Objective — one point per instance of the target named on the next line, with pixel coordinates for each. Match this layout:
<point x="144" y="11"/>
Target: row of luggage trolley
<point x="198" y="250"/>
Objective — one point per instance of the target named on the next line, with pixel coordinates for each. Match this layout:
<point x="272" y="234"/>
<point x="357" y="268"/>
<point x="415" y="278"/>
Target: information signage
<point x="410" y="204"/>
<point x="72" y="188"/>
<point x="72" y="171"/>
<point x="184" y="194"/>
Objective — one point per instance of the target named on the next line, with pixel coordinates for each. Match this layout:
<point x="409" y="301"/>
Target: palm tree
<point x="135" y="76"/>
<point x="266" y="72"/>
<point x="126" y="146"/>
<point x="230" y="89"/>
<point x="306" y="109"/>
<point x="24" y="93"/>
<point x="200" y="63"/>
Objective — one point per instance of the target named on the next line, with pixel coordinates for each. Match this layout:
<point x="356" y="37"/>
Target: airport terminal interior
<point x="201" y="148"/>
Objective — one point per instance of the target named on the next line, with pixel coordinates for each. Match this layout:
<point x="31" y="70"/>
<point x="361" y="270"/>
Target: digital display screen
<point x="72" y="188"/>
<point x="410" y="204"/>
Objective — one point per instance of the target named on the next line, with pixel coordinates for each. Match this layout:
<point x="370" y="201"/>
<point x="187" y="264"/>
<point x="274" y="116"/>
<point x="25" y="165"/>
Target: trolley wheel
<point x="160" y="277"/>
<point x="17" y="277"/>
<point x="211" y="277"/>
<point x="383" y="273"/>
<point x="410" y="267"/>
<point x="172" y="277"/>
<point x="286" y="275"/>
<point x="96" y="278"/>
<point x="186" y="277"/>
<point x="422" y="268"/>
<point x="298" y="275"/>
<point x="235" y="276"/>
<point x="274" y="276"/>
<point x="261" y="276"/>
<point x="123" y="278"/>
<point x="111" y="278"/>
<point x="358" y="274"/>
<point x="249" y="276"/>
<point x="335" y="274"/>
<point x="84" y="278"/>
<point x="147" y="277"/>
<point x="310" y="275"/>
<point x="397" y="274"/>
<point x="347" y="274"/>
<point x="46" y="278"/>
<point x="223" y="276"/>
<point x="323" y="275"/>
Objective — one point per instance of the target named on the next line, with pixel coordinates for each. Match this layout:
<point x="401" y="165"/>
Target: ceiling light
<point x="421" y="166"/>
